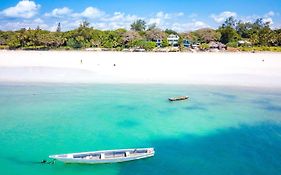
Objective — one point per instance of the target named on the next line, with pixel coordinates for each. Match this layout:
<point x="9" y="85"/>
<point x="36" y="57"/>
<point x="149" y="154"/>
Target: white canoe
<point x="105" y="156"/>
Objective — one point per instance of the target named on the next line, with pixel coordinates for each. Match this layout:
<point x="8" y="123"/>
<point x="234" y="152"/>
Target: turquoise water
<point x="220" y="130"/>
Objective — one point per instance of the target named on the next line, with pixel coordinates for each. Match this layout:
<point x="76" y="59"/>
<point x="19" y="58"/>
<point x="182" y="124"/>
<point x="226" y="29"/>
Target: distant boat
<point x="105" y="156"/>
<point x="178" y="98"/>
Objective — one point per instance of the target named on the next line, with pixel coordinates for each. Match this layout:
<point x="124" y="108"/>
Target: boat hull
<point x="68" y="158"/>
<point x="178" y="98"/>
<point x="102" y="161"/>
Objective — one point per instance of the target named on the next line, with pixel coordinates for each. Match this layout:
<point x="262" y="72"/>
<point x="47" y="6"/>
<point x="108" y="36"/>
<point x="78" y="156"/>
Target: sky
<point x="180" y="15"/>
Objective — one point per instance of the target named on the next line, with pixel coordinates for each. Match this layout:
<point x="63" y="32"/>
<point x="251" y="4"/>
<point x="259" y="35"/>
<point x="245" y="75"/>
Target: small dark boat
<point x="178" y="98"/>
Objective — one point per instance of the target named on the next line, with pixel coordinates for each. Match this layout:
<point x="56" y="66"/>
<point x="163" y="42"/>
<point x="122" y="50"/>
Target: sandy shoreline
<point x="241" y="69"/>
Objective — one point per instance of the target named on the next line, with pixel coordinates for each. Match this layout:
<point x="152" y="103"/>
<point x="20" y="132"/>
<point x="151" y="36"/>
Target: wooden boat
<point x="178" y="98"/>
<point x="105" y="156"/>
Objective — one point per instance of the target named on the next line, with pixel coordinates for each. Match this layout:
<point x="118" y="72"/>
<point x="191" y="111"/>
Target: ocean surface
<point x="220" y="130"/>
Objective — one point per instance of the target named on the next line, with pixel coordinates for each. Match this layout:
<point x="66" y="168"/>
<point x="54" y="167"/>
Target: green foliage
<point x="243" y="29"/>
<point x="35" y="48"/>
<point x="97" y="38"/>
<point x="191" y="36"/>
<point x="165" y="43"/>
<point x="152" y="26"/>
<point x="4" y="47"/>
<point x="149" y="45"/>
<point x="129" y="38"/>
<point x="13" y="42"/>
<point x="232" y="44"/>
<point x="204" y="46"/>
<point x="259" y="34"/>
<point x="138" y="43"/>
<point x="139" y="25"/>
<point x="170" y="31"/>
<point x="228" y="34"/>
<point x="73" y="43"/>
<point x="181" y="47"/>
<point x="142" y="44"/>
<point x="206" y="35"/>
<point x="52" y="40"/>
<point x="229" y="22"/>
<point x="260" y="48"/>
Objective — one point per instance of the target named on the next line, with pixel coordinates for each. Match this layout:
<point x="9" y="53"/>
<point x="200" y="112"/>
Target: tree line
<point x="140" y="35"/>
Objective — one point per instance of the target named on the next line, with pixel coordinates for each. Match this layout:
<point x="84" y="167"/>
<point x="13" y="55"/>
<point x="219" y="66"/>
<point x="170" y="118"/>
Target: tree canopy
<point x="139" y="25"/>
<point x="258" y="33"/>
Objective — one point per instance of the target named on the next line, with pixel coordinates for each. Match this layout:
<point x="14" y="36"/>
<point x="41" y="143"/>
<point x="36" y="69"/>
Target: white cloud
<point x="268" y="20"/>
<point x="250" y="18"/>
<point x="194" y="25"/>
<point x="163" y="20"/>
<point x="156" y="21"/>
<point x="120" y="17"/>
<point x="163" y="15"/>
<point x="24" y="24"/>
<point x="199" y="24"/>
<point x="115" y="21"/>
<point x="38" y="21"/>
<point x="90" y="12"/>
<point x="269" y="14"/>
<point x="58" y="12"/>
<point x="24" y="9"/>
<point x="70" y="19"/>
<point x="268" y="17"/>
<point x="222" y="16"/>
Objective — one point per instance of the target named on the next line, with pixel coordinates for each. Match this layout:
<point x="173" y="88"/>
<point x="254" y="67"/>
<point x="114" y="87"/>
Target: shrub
<point x="73" y="43"/>
<point x="262" y="48"/>
<point x="232" y="44"/>
<point x="165" y="43"/>
<point x="204" y="46"/>
<point x="4" y="47"/>
<point x="149" y="45"/>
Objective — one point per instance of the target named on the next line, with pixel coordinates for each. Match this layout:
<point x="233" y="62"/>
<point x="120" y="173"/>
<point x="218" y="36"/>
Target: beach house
<point x="159" y="42"/>
<point x="173" y="40"/>
<point x="186" y="43"/>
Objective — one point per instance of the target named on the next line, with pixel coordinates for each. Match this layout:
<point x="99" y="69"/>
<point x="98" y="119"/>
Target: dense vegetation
<point x="256" y="35"/>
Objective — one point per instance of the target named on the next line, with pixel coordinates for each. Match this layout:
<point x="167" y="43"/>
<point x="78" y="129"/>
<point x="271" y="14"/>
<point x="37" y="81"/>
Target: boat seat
<point x="102" y="156"/>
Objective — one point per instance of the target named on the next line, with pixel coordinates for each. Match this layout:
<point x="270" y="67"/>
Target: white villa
<point x="173" y="40"/>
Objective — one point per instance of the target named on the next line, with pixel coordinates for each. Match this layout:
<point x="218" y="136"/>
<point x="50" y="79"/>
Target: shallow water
<point x="220" y="130"/>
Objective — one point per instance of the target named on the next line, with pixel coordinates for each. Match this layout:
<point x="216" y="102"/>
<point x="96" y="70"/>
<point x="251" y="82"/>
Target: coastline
<point x="261" y="69"/>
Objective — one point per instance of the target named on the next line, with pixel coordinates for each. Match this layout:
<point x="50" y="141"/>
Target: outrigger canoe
<point x="105" y="156"/>
<point x="178" y="98"/>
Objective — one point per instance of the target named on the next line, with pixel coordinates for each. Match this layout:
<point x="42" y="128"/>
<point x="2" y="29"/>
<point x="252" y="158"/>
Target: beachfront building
<point x="159" y="42"/>
<point x="173" y="40"/>
<point x="186" y="43"/>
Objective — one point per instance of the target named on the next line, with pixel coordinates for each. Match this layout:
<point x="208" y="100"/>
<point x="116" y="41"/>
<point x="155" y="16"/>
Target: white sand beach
<point x="241" y="69"/>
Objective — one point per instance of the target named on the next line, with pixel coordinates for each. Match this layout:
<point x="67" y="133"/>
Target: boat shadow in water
<point x="196" y="107"/>
<point x="244" y="150"/>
